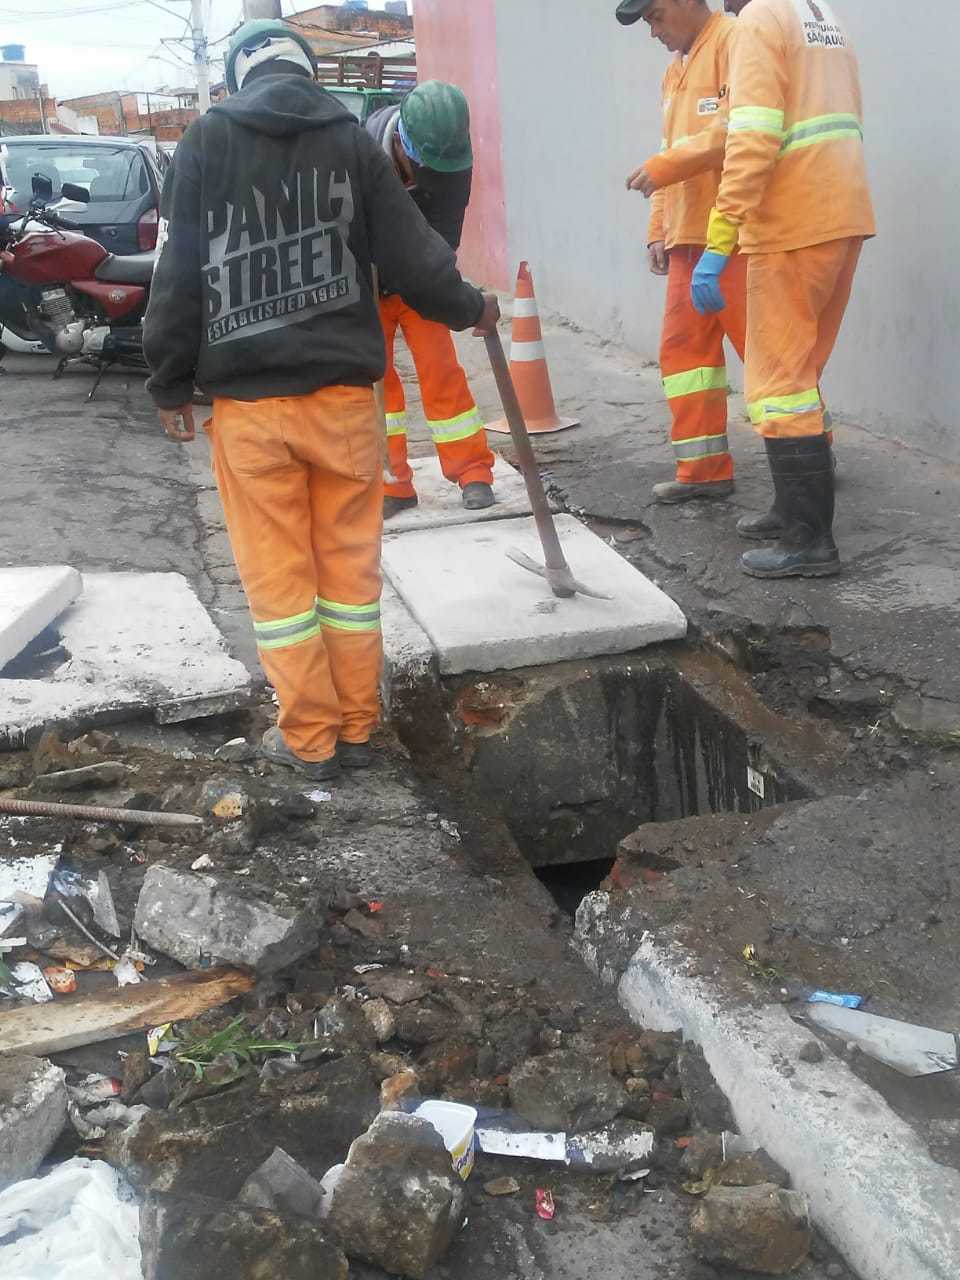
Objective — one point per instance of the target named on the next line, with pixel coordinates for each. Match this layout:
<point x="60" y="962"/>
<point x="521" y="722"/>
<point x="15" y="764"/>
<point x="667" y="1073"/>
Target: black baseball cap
<point x="631" y="11"/>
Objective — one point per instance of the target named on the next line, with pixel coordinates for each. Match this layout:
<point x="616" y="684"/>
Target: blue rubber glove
<point x="705" y="286"/>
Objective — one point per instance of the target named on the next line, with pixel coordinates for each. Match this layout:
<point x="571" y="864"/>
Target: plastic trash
<point x="456" y="1123"/>
<point x="77" y="1222"/>
<point x="841" y="999"/>
<point x="28" y="982"/>
<point x="23" y="878"/>
<point x="546" y="1206"/>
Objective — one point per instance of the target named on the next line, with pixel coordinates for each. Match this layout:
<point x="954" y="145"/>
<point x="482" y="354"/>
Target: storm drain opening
<point x="579" y="756"/>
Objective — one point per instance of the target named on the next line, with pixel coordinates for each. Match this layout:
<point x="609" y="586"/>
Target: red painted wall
<point x="456" y="41"/>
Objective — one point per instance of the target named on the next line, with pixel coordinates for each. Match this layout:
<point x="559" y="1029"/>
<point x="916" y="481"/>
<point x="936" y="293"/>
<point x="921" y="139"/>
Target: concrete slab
<point x="482" y="612"/>
<point x="137" y="643"/>
<point x="30" y="599"/>
<point x="440" y="502"/>
<point x="407" y="651"/>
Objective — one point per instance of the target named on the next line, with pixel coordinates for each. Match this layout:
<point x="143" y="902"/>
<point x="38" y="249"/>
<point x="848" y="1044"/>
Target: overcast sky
<point x="92" y="46"/>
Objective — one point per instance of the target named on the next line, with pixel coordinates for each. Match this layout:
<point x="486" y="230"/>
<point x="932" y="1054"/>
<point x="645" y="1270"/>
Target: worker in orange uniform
<point x="275" y="208"/>
<point x="428" y="139"/>
<point x="683" y="181"/>
<point x="795" y="197"/>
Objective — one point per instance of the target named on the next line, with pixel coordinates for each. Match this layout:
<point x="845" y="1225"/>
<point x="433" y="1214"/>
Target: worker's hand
<point x="657" y="258"/>
<point x="640" y="180"/>
<point x="705" y="285"/>
<point x="491" y="314"/>
<point x="178" y="423"/>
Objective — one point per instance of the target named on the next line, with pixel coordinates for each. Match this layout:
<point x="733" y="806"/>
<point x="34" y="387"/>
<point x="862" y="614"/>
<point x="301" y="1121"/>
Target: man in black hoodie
<point x="274" y="210"/>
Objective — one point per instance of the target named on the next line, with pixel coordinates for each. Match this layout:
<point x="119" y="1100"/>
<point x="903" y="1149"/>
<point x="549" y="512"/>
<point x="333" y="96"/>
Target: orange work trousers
<point x="693" y="367"/>
<point x="302" y="493"/>
<point x="451" y="411"/>
<point x="795" y="306"/>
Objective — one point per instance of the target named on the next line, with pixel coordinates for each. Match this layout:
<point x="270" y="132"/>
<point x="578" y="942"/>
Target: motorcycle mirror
<point x="70" y="191"/>
<point x="41" y="186"/>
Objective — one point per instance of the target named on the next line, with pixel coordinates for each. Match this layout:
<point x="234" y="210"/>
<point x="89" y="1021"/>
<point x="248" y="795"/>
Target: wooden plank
<point x="89" y="1019"/>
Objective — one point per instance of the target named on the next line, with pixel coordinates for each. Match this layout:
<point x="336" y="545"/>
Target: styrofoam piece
<point x="482" y="612"/>
<point x="909" y="1049"/>
<point x="441" y="502"/>
<point x="137" y="642"/>
<point x="609" y="1149"/>
<point x="524" y="1146"/>
<point x="30" y="599"/>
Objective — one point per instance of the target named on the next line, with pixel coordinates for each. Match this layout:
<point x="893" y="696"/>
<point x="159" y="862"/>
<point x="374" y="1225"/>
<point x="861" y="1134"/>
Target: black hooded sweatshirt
<point x="275" y="206"/>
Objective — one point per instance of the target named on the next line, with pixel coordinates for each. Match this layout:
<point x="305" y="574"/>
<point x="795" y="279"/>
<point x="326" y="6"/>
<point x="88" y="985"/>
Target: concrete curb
<point x="874" y="1192"/>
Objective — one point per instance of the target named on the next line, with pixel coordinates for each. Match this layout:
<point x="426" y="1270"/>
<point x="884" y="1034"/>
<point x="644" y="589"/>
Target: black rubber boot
<point x="769" y="525"/>
<point x="803" y="480"/>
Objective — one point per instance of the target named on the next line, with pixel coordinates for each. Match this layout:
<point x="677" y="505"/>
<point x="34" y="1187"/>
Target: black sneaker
<point x="277" y="752"/>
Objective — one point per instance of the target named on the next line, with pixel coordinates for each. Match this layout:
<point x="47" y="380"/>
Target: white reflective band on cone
<point x="525" y="307"/>
<point x="527" y="351"/>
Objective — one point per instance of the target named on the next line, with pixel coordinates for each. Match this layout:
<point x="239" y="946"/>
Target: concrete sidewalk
<point x="883" y="633"/>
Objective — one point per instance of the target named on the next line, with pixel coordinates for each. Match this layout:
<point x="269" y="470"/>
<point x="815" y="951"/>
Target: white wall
<point x="580" y="108"/>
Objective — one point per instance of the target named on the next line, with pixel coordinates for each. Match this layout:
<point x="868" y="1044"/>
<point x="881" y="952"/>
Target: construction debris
<point x="33" y="1110"/>
<point x="567" y="1091"/>
<point x="89" y="1019"/>
<point x="106" y="773"/>
<point x="909" y="1049"/>
<point x="398" y="1204"/>
<point x="188" y="1237"/>
<point x="761" y="1228"/>
<point x="284" y="1186"/>
<point x="199" y="919"/>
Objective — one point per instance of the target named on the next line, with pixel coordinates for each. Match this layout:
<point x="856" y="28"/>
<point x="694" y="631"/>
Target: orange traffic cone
<point x="528" y="365"/>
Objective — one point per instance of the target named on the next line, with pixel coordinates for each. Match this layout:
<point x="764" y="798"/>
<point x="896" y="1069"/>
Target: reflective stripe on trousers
<point x="772" y="407"/>
<point x="451" y="412"/>
<point x="462" y="427"/>
<point x="349" y="617"/>
<point x="694" y="371"/>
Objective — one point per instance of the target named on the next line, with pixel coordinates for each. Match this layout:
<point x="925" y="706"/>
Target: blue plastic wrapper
<point x="832" y="997"/>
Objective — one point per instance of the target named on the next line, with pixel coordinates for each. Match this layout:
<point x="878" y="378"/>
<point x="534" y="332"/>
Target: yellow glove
<point x="722" y="234"/>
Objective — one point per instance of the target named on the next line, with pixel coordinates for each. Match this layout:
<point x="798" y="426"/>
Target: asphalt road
<point x="99" y="486"/>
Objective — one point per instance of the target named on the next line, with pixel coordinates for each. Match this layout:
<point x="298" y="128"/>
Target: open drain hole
<point x="584" y="756"/>
<point x="39" y="659"/>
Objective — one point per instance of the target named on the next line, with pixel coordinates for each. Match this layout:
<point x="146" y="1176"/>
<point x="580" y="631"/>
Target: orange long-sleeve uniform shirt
<point x="695" y="96"/>
<point x="794" y="172"/>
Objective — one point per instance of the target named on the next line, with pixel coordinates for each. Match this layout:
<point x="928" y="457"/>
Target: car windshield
<point x="109" y="174"/>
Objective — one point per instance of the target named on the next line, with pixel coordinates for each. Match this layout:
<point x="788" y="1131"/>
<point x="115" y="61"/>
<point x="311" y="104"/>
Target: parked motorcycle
<point x="82" y="302"/>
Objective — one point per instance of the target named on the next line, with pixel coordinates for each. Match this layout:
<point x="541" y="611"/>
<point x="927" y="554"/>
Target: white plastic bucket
<point x="456" y="1123"/>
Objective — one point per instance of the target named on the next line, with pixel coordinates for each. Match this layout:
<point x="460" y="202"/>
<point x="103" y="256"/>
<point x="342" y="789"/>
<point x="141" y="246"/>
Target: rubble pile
<point x="268" y="1119"/>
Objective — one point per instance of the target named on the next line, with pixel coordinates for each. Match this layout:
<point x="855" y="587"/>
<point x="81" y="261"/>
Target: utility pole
<point x="200" y="54"/>
<point x="261" y="9"/>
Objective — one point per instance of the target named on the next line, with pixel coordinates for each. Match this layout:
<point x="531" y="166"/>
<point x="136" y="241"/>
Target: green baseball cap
<point x="266" y="40"/>
<point x="435" y="118"/>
